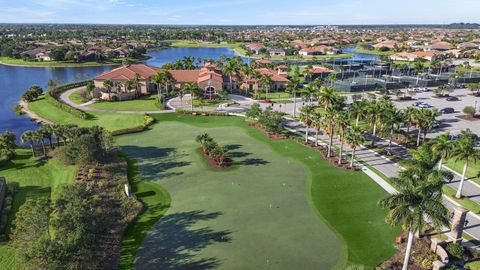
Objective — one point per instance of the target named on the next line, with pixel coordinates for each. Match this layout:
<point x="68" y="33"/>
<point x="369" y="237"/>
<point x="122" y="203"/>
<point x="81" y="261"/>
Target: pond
<point x="15" y="80"/>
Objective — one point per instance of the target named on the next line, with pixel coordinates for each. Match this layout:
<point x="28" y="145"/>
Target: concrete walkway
<point x="391" y="169"/>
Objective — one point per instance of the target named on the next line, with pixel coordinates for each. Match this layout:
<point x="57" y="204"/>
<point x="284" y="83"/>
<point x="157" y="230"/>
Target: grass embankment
<point x="155" y="200"/>
<point x="36" y="179"/>
<point x="375" y="52"/>
<point x="473" y="169"/>
<point x="144" y="103"/>
<point x="21" y="62"/>
<point x="268" y="171"/>
<point x="110" y="121"/>
<point x="76" y="97"/>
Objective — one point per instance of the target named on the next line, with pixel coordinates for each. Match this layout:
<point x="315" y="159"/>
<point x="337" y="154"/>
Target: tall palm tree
<point x="442" y="146"/>
<point x="464" y="150"/>
<point x="330" y="116"/>
<point x="374" y="115"/>
<point x="28" y="137"/>
<point x="317" y="118"/>
<point x="255" y="76"/>
<point x="391" y="118"/>
<point x="416" y="200"/>
<point x="266" y="83"/>
<point x="327" y="96"/>
<point x="229" y="69"/>
<point x="193" y="89"/>
<point x="158" y="79"/>
<point x="354" y="138"/>
<point x="118" y="87"/>
<point x="342" y="122"/>
<point x="357" y="110"/>
<point x="136" y="82"/>
<point x="409" y="119"/>
<point x="108" y="85"/>
<point x="38" y="137"/>
<point x="292" y="87"/>
<point x="306" y="117"/>
<point x="309" y="91"/>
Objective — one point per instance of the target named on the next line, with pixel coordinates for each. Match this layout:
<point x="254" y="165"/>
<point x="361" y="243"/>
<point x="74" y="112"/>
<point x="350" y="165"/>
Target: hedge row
<point x="147" y="121"/>
<point x="75" y="112"/>
<point x="203" y="113"/>
<point x="52" y="98"/>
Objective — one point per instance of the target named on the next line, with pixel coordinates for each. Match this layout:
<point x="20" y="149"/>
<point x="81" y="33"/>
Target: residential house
<point x="440" y="46"/>
<point x="255" y="48"/>
<point x="43" y="56"/>
<point x="276" y="52"/>
<point x="319" y="50"/>
<point x="388" y="44"/>
<point x="412" y="56"/>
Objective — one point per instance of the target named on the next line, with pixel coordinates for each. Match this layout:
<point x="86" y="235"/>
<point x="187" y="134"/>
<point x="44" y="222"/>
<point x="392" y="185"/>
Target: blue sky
<point x="240" y="11"/>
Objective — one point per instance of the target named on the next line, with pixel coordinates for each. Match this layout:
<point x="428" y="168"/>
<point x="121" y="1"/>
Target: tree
<point x="108" y="85"/>
<point x="416" y="199"/>
<point x="327" y="96"/>
<point x="7" y="146"/>
<point x="32" y="93"/>
<point x="330" y="120"/>
<point x="51" y="86"/>
<point x="118" y="87"/>
<point x="392" y="118"/>
<point x="194" y="91"/>
<point x="464" y="150"/>
<point x="354" y="138"/>
<point x="317" y="122"/>
<point x="292" y="87"/>
<point x="306" y="118"/>
<point x="342" y="122"/>
<point x="28" y="137"/>
<point x="442" y="146"/>
<point x="409" y="115"/>
<point x="254" y="111"/>
<point x="266" y="83"/>
<point x="357" y="110"/>
<point x="229" y="69"/>
<point x="136" y="83"/>
<point x="374" y="115"/>
<point x="470" y="111"/>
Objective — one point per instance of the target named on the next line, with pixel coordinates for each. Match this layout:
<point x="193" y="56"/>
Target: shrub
<point x="254" y="111"/>
<point x="469" y="110"/>
<point x="455" y="250"/>
<point x="18" y="110"/>
<point x="32" y="93"/>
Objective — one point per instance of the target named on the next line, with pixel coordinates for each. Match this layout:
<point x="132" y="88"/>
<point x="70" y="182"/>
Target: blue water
<point x="15" y="80"/>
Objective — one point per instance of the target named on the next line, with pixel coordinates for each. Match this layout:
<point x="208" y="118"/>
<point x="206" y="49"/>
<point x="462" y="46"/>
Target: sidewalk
<point x="391" y="169"/>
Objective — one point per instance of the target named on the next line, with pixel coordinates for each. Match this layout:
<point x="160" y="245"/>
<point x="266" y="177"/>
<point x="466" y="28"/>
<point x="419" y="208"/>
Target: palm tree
<point x="136" y="82"/>
<point x="354" y="138"/>
<point x="317" y="118"/>
<point x="392" y="118"/>
<point x="415" y="201"/>
<point x="309" y="91"/>
<point x="409" y="119"/>
<point x="229" y="69"/>
<point x="342" y="122"/>
<point x="292" y="87"/>
<point x="28" y="137"/>
<point x="357" y="110"/>
<point x="118" y="86"/>
<point x="255" y="76"/>
<point x="327" y="96"/>
<point x="108" y="84"/>
<point x="331" y="114"/>
<point x="266" y="83"/>
<point x="193" y="89"/>
<point x="442" y="146"/>
<point x="306" y="118"/>
<point x="38" y="136"/>
<point x="158" y="79"/>
<point x="464" y="150"/>
<point x="374" y="114"/>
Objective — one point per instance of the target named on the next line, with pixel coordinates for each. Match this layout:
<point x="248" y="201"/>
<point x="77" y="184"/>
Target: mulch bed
<point x="468" y="117"/>
<point x="273" y="136"/>
<point x="214" y="163"/>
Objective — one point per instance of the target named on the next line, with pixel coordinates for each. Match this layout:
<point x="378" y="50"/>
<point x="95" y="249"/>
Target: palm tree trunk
<point x="306" y="134"/>
<point x="316" y="137"/>
<point x="353" y="157"/>
<point x="408" y="250"/>
<point x="340" y="152"/>
<point x="374" y="133"/>
<point x="191" y="102"/>
<point x="406" y="135"/>
<point x="357" y="120"/>
<point x="33" y="150"/>
<point x="329" y="153"/>
<point x="459" y="191"/>
<point x="390" y="141"/>
<point x="294" y="103"/>
<point x="43" y="148"/>
<point x="418" y="136"/>
<point x="440" y="164"/>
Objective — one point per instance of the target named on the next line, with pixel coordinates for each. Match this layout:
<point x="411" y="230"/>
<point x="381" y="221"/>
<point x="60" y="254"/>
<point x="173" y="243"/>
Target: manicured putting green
<point x="147" y="103"/>
<point x="281" y="207"/>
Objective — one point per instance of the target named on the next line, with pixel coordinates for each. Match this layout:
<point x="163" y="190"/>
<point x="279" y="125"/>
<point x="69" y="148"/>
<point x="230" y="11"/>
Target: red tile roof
<point x="128" y="72"/>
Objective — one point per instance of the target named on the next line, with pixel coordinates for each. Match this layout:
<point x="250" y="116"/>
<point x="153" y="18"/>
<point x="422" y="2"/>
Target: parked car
<point x="418" y="103"/>
<point x="425" y="106"/>
<point x="452" y="99"/>
<point x="447" y="110"/>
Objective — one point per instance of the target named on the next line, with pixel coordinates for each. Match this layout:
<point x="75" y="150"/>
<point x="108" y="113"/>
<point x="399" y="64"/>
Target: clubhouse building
<point x="209" y="78"/>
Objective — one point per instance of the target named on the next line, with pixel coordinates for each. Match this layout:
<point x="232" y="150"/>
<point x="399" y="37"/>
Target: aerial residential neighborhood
<point x="240" y="135"/>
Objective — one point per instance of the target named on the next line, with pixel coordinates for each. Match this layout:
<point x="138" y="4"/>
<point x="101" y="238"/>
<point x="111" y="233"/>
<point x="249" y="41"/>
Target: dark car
<point x="452" y="99"/>
<point x="447" y="110"/>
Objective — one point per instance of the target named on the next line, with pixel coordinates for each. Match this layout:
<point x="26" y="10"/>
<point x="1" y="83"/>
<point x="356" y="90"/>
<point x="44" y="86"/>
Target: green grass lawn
<point x="473" y="170"/>
<point x="21" y="62"/>
<point x="76" y="97"/>
<point x="221" y="218"/>
<point x="36" y="179"/>
<point x="110" y="121"/>
<point x="146" y="103"/>
<point x="362" y="50"/>
<point x="275" y="95"/>
<point x="156" y="201"/>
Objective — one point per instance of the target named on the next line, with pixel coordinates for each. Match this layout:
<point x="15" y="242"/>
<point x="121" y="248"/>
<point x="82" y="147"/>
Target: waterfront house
<point x="318" y="50"/>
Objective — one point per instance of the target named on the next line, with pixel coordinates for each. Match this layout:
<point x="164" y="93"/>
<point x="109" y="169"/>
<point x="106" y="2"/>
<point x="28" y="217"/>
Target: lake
<point x="15" y="80"/>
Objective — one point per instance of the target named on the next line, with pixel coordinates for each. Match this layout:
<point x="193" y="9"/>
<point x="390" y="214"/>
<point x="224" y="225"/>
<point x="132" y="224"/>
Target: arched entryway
<point x="210" y="91"/>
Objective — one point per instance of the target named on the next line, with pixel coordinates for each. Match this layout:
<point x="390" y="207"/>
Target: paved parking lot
<point x="448" y="122"/>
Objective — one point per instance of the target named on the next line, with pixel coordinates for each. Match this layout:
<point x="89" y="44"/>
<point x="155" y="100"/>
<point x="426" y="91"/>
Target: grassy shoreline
<point x="7" y="61"/>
